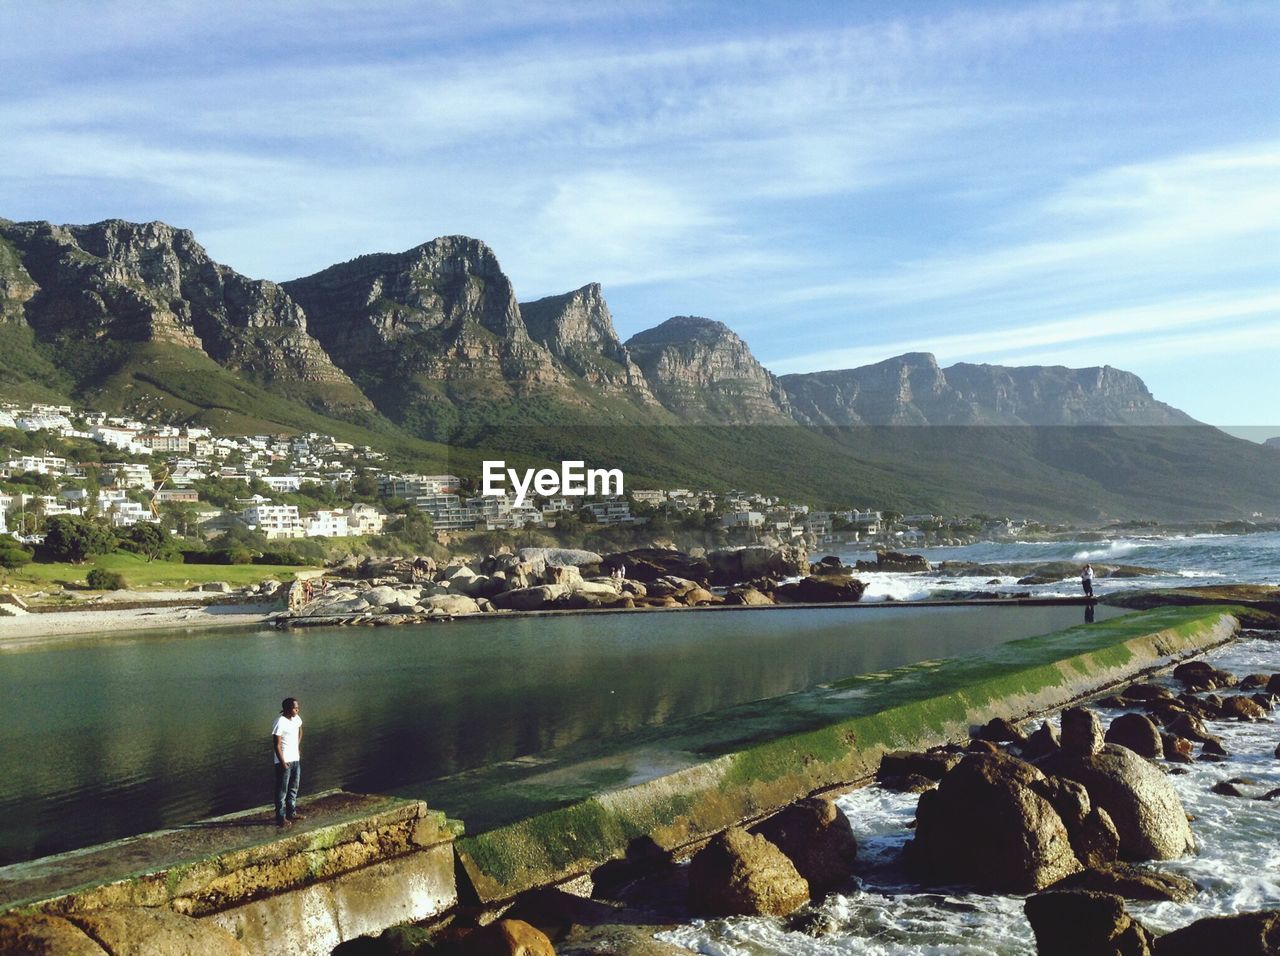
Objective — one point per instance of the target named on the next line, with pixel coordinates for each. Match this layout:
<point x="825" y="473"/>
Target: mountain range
<point x="429" y="354"/>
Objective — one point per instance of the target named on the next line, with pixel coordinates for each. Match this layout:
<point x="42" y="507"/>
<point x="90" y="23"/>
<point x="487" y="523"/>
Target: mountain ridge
<point x="433" y="343"/>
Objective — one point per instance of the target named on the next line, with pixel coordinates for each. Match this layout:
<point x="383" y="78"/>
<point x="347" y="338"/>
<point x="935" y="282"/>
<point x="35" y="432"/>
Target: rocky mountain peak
<point x="701" y="370"/>
<point x="150" y="282"/>
<point x="577" y="328"/>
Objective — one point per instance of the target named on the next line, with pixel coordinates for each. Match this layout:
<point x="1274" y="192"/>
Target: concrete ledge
<point x="703" y="779"/>
<point x="217" y="864"/>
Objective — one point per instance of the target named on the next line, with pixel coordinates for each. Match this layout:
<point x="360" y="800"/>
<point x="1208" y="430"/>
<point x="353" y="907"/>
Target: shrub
<point x="103" y="580"/>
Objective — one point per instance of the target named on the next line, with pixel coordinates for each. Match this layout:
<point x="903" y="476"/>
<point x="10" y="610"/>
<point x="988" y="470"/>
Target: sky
<point x="1060" y="183"/>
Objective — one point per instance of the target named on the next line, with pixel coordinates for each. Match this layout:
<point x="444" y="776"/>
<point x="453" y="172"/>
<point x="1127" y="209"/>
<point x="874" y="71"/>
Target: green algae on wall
<point x="915" y="706"/>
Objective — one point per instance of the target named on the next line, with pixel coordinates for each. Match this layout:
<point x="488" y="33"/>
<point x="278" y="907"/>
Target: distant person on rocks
<point x="1086" y="580"/>
<point x="286" y="742"/>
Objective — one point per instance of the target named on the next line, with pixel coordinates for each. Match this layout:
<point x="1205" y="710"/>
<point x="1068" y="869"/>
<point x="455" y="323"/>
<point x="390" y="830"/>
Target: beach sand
<point x="173" y="610"/>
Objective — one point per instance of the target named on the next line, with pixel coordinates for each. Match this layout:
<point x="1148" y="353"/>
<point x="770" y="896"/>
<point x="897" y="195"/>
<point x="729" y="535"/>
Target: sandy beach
<point x="169" y="610"/>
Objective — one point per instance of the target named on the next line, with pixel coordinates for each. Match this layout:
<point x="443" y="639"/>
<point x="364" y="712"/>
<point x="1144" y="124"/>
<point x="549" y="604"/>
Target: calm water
<point x="140" y="732"/>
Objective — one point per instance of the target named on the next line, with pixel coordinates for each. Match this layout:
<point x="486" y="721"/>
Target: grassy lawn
<point x="159" y="575"/>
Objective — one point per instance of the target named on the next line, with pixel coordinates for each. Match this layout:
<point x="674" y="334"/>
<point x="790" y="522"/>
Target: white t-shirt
<point x="288" y="729"/>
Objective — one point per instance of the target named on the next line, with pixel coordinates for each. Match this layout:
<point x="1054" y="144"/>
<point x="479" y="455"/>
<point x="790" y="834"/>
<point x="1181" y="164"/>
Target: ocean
<point x="1183" y="561"/>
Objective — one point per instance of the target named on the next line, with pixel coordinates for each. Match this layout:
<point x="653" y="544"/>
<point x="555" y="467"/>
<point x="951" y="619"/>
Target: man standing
<point x="1086" y="580"/>
<point x="286" y="741"/>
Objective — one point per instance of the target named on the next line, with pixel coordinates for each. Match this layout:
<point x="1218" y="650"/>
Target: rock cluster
<point x="394" y="590"/>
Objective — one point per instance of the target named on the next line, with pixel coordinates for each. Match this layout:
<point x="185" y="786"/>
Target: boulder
<point x="741" y="874"/>
<point x="539" y="558"/>
<point x="1131" y="882"/>
<point x="817" y="838"/>
<point x="135" y="931"/>
<point x="1273" y="684"/>
<point x="1140" y="800"/>
<point x="1137" y="733"/>
<point x="1146" y="692"/>
<point x="1176" y="749"/>
<point x="1040" y="744"/>
<point x="507" y="937"/>
<point x="1201" y="675"/>
<point x="1245" y="934"/>
<point x="529" y="599"/>
<point x="749" y="597"/>
<point x="1239" y="707"/>
<point x="215" y="587"/>
<point x="1256" y="681"/>
<point x="991" y="824"/>
<point x="736" y="565"/>
<point x="452" y="604"/>
<point x="1078" y="922"/>
<point x="896" y="561"/>
<point x="821" y="589"/>
<point x="382" y="596"/>
<point x="999" y="730"/>
<point x="649" y="564"/>
<point x="41" y="935"/>
<point x="1189" y="727"/>
<point x="1081" y="732"/>
<point x="932" y="764"/>
<point x="566" y="575"/>
<point x="700" y="596"/>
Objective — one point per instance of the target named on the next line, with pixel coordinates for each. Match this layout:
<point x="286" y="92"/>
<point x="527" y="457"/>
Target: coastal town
<point x="58" y="460"/>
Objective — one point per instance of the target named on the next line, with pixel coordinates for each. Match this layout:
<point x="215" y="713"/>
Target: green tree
<point x="69" y="538"/>
<point x="146" y="539"/>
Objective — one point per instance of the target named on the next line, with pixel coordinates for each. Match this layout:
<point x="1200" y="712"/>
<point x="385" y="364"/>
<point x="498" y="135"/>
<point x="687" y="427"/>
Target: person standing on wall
<point x="286" y="742"/>
<point x="1086" y="580"/>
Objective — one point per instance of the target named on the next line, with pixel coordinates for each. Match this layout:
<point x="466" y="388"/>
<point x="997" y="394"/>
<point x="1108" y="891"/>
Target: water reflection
<point x="139" y="733"/>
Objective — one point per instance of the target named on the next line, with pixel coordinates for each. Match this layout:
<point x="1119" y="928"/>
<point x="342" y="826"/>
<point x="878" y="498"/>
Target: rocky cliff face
<point x="576" y="328"/>
<point x="702" y="371"/>
<point x="440" y="319"/>
<point x="912" y="390"/>
<point x="117" y="282"/>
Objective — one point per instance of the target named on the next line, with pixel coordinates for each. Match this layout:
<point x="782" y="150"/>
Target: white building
<point x="42" y="464"/>
<point x="327" y="524"/>
<point x="282" y="484"/>
<point x="363" y="519"/>
<point x="275" y="521"/>
<point x="127" y="474"/>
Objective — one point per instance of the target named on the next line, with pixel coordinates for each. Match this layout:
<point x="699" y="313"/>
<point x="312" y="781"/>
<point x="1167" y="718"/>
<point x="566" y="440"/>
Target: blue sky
<point x="1073" y="183"/>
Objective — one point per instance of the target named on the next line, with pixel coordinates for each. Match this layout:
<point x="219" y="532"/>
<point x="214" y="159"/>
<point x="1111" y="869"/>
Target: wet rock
<point x="979" y="746"/>
<point x="1147" y="692"/>
<point x="1137" y="733"/>
<point x="740" y="874"/>
<point x="1239" y="707"/>
<point x="1201" y="675"/>
<point x="896" y="561"/>
<point x="1041" y="744"/>
<point x="614" y="939"/>
<point x="1225" y="788"/>
<point x="999" y="730"/>
<point x="1189" y="727"/>
<point x="1143" y="804"/>
<point x="1095" y="840"/>
<point x="1245" y="934"/>
<point x="821" y="589"/>
<point x="932" y="764"/>
<point x="1214" y="747"/>
<point x="1081" y="732"/>
<point x="1113" y="702"/>
<point x="1254" y="681"/>
<point x="1266" y="701"/>
<point x="1176" y="749"/>
<point x="1273" y="684"/>
<point x="696" y="597"/>
<point x="989" y="824"/>
<point x="1077" y="922"/>
<point x="1131" y="882"/>
<point x="40" y="935"/>
<point x="1203" y="707"/>
<point x="508" y="937"/>
<point x="817" y="838"/>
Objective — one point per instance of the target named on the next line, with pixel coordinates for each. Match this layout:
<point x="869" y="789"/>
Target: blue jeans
<point x="288" y="778"/>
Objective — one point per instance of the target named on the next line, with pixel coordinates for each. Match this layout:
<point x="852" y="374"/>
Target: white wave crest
<point x="1112" y="549"/>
